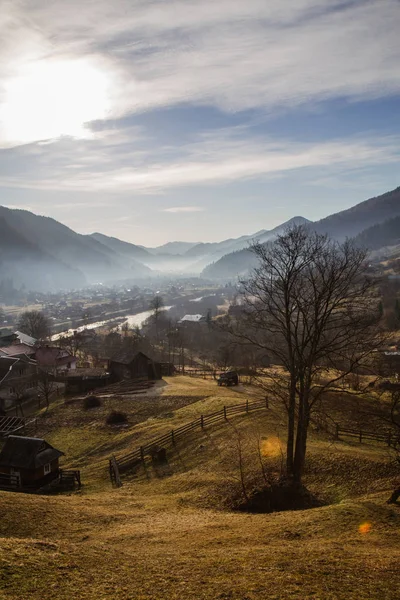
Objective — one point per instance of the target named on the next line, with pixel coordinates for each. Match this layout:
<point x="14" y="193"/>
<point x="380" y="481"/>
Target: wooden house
<point x="18" y="380"/>
<point x="131" y="365"/>
<point x="27" y="462"/>
<point x="55" y="360"/>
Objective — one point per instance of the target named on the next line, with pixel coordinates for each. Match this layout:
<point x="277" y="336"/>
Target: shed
<point x="130" y="365"/>
<point x="32" y="462"/>
<point x="83" y="380"/>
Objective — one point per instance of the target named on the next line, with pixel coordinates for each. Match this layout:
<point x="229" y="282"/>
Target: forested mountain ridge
<point x="71" y="259"/>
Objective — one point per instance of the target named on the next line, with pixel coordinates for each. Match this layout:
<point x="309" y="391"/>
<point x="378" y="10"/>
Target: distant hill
<point x="120" y="247"/>
<point x="363" y="220"/>
<point x="27" y="265"/>
<point x="80" y="257"/>
<point x="380" y="235"/>
<point x="172" y="248"/>
<point x="351" y="222"/>
<point x="239" y="262"/>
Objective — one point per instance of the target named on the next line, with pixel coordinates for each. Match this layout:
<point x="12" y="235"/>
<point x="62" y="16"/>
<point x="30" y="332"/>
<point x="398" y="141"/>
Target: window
<point x="47" y="469"/>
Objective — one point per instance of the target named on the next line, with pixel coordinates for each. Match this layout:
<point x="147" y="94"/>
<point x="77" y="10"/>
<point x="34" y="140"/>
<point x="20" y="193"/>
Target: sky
<point x="196" y="120"/>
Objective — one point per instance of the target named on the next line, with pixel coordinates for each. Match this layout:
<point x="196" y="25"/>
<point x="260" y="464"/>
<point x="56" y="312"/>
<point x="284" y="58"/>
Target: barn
<point x="27" y="462"/>
<point x="128" y="365"/>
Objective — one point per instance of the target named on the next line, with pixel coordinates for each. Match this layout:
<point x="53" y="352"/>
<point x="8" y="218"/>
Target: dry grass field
<point x="170" y="532"/>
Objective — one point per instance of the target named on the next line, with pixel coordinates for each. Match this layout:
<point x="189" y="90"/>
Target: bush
<point x="91" y="402"/>
<point x="116" y="418"/>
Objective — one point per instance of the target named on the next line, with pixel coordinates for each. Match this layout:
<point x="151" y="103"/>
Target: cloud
<point x="231" y="54"/>
<point x="221" y="157"/>
<point x="183" y="209"/>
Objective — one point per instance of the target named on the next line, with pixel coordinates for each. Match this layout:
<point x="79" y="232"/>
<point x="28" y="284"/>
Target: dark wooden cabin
<point x="128" y="365"/>
<point x="27" y="462"/>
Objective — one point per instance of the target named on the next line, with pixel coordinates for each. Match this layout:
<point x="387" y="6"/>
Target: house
<point x="18" y="350"/>
<point x="132" y="365"/>
<point x="55" y="360"/>
<point x="188" y="319"/>
<point x="7" y="336"/>
<point x="10" y="338"/>
<point x="23" y="338"/>
<point x="27" y="462"/>
<point x="18" y="379"/>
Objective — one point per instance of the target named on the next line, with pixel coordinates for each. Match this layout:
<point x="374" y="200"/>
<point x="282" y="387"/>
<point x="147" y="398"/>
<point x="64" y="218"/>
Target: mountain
<point x="380" y="235"/>
<point x="123" y="248"/>
<point x="239" y="262"/>
<point x="26" y="264"/>
<point x="172" y="248"/>
<point x="351" y="222"/>
<point x="365" y="217"/>
<point x="83" y="255"/>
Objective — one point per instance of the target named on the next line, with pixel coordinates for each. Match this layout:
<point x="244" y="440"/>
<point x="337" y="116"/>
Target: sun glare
<point x="49" y="99"/>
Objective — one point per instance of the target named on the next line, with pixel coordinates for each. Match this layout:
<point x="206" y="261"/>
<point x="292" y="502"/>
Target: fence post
<point x="172" y="437"/>
<point x="142" y="454"/>
<point x="202" y="421"/>
<point x="360" y="436"/>
<point x="266" y="402"/>
<point x="247" y="405"/>
<point x="225" y="412"/>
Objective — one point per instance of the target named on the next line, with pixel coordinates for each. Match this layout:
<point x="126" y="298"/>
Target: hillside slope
<point x="157" y="537"/>
<point x="28" y="265"/>
<point x="351" y="222"/>
<point x="95" y="260"/>
<point x="120" y="247"/>
<point x="380" y="235"/>
<point x="348" y="223"/>
<point x="239" y="262"/>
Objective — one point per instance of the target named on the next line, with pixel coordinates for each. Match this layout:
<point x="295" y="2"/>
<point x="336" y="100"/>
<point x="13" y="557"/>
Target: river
<point x="132" y="320"/>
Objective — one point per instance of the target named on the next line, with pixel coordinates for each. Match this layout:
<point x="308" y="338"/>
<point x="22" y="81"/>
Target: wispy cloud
<point x="183" y="209"/>
<point x="234" y="55"/>
<point x="209" y="160"/>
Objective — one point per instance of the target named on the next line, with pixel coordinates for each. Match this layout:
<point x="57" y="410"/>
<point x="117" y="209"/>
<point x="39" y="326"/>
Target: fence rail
<point x="123" y="462"/>
<point x="389" y="437"/>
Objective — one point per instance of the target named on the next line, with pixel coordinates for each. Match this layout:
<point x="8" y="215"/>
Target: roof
<point x="88" y="373"/>
<point x="25" y="339"/>
<point x="49" y="356"/>
<point x="17" y="350"/>
<point x="192" y="318"/>
<point x="126" y="358"/>
<point x="27" y="452"/>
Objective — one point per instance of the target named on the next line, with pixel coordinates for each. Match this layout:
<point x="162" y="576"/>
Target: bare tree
<point x="395" y="421"/>
<point x="156" y="305"/>
<point x="308" y="306"/>
<point x="46" y="386"/>
<point x="35" y="324"/>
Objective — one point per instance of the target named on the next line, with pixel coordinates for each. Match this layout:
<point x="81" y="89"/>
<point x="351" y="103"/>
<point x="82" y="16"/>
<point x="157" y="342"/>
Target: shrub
<point x="116" y="418"/>
<point x="91" y="402"/>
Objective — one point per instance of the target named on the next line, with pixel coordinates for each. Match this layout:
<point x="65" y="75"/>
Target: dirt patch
<point x="280" y="497"/>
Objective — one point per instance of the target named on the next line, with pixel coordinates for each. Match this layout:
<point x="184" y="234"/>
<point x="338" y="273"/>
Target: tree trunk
<point x="291" y="426"/>
<point x="301" y="441"/>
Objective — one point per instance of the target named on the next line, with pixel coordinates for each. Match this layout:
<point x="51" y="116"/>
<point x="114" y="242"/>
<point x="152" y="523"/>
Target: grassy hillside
<point x="170" y="533"/>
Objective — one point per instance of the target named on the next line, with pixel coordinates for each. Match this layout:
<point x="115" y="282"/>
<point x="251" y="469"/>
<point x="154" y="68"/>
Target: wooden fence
<point x="388" y="437"/>
<point x="123" y="462"/>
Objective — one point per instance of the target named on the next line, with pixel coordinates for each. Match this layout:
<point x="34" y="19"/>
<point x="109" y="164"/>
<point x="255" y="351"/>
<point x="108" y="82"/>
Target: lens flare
<point x="364" y="528"/>
<point x="271" y="447"/>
